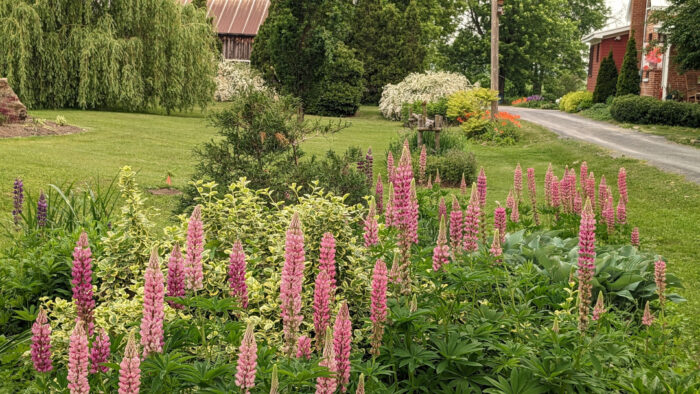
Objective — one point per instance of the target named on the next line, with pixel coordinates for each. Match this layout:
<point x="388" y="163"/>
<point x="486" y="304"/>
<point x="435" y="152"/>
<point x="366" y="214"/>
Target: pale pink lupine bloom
<point x="322" y="308"/>
<point x="328" y="385"/>
<point x="564" y="197"/>
<point x="378" y="305"/>
<point x="577" y="203"/>
<point x="472" y="219"/>
<point x="647" y="317"/>
<point x="236" y="274"/>
<point x="342" y="341"/>
<point x="291" y="283"/>
<point x="379" y="194"/>
<point x="622" y="184"/>
<point x="371" y="228"/>
<point x="412" y="219"/>
<point x="463" y="186"/>
<point x="548" y="185"/>
<point x="515" y="214"/>
<point x="176" y="276"/>
<point x="532" y="191"/>
<point x="422" y="164"/>
<point x="599" y="308"/>
<point x="556" y="197"/>
<point x="195" y="247"/>
<point x="326" y="260"/>
<point x="130" y="369"/>
<point x="586" y="262"/>
<point x="247" y="360"/>
<point x="304" y="347"/>
<point x="456" y="225"/>
<point x="510" y="200"/>
<point x="660" y="279"/>
<point x="496" y="249"/>
<point x="41" y="343"/>
<point x="402" y="194"/>
<point x="609" y="215"/>
<point x="153" y="299"/>
<point x="442" y="209"/>
<point x="82" y="282"/>
<point x="499" y="221"/>
<point x="395" y="272"/>
<point x="360" y="385"/>
<point x="78" y="361"/>
<point x="518" y="182"/>
<point x="438" y="181"/>
<point x="590" y="189"/>
<point x="583" y="175"/>
<point x="634" y="239"/>
<point x="430" y="182"/>
<point x="482" y="188"/>
<point x="390" y="167"/>
<point x="621" y="211"/>
<point x="441" y="252"/>
<point x="100" y="352"/>
<point x="602" y="193"/>
<point x="390" y="219"/>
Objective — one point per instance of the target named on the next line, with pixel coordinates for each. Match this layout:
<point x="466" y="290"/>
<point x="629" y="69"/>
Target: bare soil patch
<point x="33" y="127"/>
<point x="165" y="191"/>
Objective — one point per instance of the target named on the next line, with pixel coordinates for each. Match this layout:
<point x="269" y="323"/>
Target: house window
<point x="597" y="53"/>
<point x="651" y="37"/>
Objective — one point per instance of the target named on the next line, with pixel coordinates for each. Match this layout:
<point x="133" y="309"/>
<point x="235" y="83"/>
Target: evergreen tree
<point x="127" y="54"/>
<point x="629" y="79"/>
<point x="606" y="83"/>
<point x="299" y="46"/>
<point x="389" y="43"/>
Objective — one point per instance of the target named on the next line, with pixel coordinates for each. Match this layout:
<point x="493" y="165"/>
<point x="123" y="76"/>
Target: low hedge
<point x="648" y="110"/>
<point x="576" y="101"/>
<point x="452" y="165"/>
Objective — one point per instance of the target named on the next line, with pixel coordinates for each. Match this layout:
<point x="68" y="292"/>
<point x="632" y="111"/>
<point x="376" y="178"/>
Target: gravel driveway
<point x="653" y="149"/>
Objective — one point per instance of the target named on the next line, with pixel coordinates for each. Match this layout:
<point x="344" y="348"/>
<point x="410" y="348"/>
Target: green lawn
<point x="665" y="207"/>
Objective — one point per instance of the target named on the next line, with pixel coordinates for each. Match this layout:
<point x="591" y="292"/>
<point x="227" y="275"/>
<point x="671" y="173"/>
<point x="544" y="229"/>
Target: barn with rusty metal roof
<point x="237" y="22"/>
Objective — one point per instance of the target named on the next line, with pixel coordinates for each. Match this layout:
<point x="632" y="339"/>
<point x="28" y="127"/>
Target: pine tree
<point x="300" y="50"/>
<point x="629" y="79"/>
<point x="606" y="83"/>
<point x="388" y="41"/>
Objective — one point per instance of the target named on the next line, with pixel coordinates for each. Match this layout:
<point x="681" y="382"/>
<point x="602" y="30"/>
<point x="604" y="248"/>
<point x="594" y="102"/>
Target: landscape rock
<point x="10" y="107"/>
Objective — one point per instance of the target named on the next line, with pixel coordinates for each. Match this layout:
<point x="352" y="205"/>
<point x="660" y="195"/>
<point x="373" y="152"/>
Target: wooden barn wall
<point x="236" y="47"/>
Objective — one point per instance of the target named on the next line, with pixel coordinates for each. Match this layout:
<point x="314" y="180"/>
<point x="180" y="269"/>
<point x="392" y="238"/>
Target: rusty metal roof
<point x="241" y="17"/>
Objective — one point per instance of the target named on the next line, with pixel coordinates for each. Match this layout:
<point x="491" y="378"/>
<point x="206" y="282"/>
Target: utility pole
<point x="496" y="10"/>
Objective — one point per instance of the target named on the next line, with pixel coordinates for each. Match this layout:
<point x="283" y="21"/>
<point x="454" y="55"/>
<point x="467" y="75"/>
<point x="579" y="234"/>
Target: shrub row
<point x="642" y="109"/>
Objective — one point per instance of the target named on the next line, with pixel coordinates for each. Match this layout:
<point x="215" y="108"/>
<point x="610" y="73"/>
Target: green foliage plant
<point x="606" y="82"/>
<point x="576" y="101"/>
<point x="649" y="110"/>
<point x="470" y="109"/>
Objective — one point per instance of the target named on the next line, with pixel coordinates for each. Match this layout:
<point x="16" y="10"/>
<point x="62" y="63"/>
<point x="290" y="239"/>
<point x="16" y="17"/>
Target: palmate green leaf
<point x="519" y="382"/>
<point x="415" y="356"/>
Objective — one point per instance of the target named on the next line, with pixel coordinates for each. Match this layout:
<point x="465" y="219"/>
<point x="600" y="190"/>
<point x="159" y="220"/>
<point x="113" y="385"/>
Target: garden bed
<point x="34" y="127"/>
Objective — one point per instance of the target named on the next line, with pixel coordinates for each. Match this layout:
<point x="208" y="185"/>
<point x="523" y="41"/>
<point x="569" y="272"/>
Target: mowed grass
<point x="664" y="206"/>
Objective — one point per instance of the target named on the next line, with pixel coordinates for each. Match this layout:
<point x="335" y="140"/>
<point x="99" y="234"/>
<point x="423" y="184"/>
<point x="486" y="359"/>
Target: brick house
<point x="660" y="77"/>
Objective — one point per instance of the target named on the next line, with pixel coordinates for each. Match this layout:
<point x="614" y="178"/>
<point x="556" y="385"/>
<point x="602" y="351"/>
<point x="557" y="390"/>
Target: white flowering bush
<point x="234" y="77"/>
<point x="429" y="86"/>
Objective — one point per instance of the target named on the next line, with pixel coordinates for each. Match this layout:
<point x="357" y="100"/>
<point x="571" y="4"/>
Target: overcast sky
<point x="618" y="12"/>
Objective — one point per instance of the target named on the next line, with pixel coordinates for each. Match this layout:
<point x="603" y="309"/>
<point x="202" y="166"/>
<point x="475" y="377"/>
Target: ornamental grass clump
<point x="236" y="274"/>
<point x="586" y="263"/>
<point x="130" y="368"/>
<point x="82" y="282"/>
<point x="247" y="361"/>
<point x="41" y="343"/>
<point x="152" y="338"/>
<point x="378" y="309"/>
<point x="292" y="280"/>
<point x="195" y="247"/>
<point x="176" y="276"/>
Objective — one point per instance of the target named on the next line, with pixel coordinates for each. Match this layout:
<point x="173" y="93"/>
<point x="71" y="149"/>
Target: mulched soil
<point x="30" y="128"/>
<point x="166" y="191"/>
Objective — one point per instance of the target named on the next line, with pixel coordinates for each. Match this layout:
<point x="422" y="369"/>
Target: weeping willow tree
<point x="127" y="54"/>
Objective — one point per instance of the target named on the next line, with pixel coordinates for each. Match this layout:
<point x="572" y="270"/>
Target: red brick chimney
<point x="637" y="12"/>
